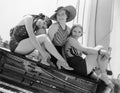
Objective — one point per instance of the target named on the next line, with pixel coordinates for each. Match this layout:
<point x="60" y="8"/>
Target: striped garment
<point x="60" y="37"/>
<point x="71" y="51"/>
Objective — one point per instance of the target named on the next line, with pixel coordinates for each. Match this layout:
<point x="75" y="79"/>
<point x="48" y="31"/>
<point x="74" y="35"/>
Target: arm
<point x="28" y="25"/>
<point x="40" y="31"/>
<point x="52" y="30"/>
<point x="77" y="45"/>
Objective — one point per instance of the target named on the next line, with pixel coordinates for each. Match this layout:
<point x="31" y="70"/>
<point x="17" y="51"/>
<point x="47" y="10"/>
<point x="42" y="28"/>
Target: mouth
<point x="61" y="19"/>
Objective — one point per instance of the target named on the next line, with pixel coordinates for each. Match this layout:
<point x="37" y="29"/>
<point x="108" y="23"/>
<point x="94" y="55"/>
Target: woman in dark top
<point x="59" y="31"/>
<point x="25" y="38"/>
<point x="95" y="57"/>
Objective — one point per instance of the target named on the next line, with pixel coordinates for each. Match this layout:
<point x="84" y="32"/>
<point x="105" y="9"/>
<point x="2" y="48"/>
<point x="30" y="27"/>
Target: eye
<point x="74" y="30"/>
<point x="63" y="14"/>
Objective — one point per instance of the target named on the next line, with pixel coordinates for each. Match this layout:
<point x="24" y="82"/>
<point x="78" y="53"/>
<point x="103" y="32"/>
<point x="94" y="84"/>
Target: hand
<point x="63" y="64"/>
<point x="104" y="55"/>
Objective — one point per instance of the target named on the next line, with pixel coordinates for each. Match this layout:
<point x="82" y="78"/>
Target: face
<point x="61" y="16"/>
<point x="41" y="24"/>
<point x="77" y="32"/>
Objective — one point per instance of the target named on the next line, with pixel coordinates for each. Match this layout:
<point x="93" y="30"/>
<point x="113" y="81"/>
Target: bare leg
<point x="91" y="61"/>
<point x="103" y="64"/>
<point x="99" y="62"/>
<point x="26" y="46"/>
<point x="50" y="47"/>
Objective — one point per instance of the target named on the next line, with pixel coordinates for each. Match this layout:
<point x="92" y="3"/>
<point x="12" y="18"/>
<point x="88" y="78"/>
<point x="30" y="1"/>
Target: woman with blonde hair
<point x="96" y="57"/>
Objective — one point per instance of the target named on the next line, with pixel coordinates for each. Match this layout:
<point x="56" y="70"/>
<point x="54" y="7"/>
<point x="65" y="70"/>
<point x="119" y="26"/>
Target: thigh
<point x="42" y="38"/>
<point x="13" y="44"/>
<point x="78" y="64"/>
<point x="25" y="47"/>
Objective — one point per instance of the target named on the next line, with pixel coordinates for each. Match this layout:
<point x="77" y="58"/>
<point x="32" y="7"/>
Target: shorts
<point x="79" y="65"/>
<point x="13" y="44"/>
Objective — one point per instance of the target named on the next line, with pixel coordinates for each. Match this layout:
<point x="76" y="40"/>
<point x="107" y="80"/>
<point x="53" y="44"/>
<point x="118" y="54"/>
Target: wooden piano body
<point x="39" y="78"/>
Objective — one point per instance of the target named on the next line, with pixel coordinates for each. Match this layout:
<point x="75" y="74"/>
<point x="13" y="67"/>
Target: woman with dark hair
<point x="59" y="31"/>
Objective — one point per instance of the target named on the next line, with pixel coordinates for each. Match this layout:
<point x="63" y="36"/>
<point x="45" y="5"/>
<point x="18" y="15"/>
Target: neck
<point x="75" y="37"/>
<point x="62" y="25"/>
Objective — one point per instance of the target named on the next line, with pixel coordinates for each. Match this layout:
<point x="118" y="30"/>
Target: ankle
<point x="45" y="62"/>
<point x="94" y="76"/>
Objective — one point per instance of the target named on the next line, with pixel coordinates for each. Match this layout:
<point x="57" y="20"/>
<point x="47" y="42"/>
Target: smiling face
<point x="61" y="16"/>
<point x="77" y="32"/>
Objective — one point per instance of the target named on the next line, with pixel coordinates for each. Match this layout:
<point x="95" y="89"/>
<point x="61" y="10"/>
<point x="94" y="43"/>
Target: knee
<point x="46" y="38"/>
<point x="99" y="47"/>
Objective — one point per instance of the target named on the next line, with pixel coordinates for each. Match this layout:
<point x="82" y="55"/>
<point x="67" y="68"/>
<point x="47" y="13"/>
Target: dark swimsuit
<point x="19" y="33"/>
<point x="76" y="61"/>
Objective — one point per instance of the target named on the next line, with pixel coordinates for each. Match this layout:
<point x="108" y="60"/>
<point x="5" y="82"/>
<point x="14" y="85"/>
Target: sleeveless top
<point x="70" y="51"/>
<point x="60" y="37"/>
<point x="20" y="32"/>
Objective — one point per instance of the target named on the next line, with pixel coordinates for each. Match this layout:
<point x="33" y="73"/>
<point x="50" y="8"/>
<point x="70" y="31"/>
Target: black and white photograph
<point x="59" y="46"/>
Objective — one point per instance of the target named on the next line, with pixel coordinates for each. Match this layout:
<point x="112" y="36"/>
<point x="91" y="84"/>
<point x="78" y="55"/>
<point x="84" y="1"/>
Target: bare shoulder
<point x="27" y="17"/>
<point x="54" y="25"/>
<point x="71" y="39"/>
<point x="53" y="28"/>
<point x="24" y="20"/>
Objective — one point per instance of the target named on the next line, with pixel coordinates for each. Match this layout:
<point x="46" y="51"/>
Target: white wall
<point x="106" y="21"/>
<point x="98" y="22"/>
<point x="103" y="22"/>
<point x="115" y="39"/>
<point x="89" y="22"/>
